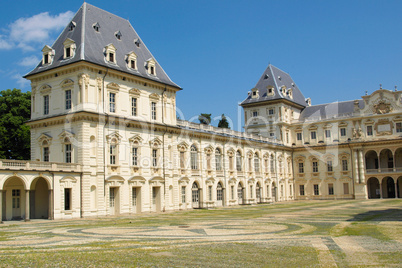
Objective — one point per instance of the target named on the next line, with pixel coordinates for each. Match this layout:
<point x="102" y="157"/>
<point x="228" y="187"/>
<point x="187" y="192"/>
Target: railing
<point x="384" y="170"/>
<point x="36" y="165"/>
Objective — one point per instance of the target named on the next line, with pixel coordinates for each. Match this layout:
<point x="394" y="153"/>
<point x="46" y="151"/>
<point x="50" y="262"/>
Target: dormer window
<point x="290" y="93"/>
<point x="254" y="93"/>
<point x="48" y="54"/>
<point x="110" y="53"/>
<point x="150" y="65"/>
<point x="69" y="48"/>
<point x="118" y="35"/>
<point x="96" y="27"/>
<point x="71" y="26"/>
<point x="137" y="42"/>
<point x="270" y="91"/>
<point x="131" y="60"/>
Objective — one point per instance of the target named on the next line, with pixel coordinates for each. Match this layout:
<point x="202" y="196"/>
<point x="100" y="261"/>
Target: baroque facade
<point x="105" y="139"/>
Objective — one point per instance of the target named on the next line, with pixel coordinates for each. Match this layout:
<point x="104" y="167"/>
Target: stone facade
<point x="105" y="140"/>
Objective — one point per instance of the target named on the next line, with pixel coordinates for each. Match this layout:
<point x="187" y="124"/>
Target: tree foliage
<point x="223" y="123"/>
<point x="15" y="110"/>
<point x="205" y="119"/>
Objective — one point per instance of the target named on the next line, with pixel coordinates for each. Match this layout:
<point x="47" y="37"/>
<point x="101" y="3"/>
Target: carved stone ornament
<point x="382" y="107"/>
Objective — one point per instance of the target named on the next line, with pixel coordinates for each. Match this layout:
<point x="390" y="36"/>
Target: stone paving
<point x="314" y="225"/>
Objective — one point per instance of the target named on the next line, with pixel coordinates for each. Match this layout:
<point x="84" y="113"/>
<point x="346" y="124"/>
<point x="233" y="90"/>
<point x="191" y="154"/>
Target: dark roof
<point x="329" y="110"/>
<point x="276" y="78"/>
<point x="90" y="44"/>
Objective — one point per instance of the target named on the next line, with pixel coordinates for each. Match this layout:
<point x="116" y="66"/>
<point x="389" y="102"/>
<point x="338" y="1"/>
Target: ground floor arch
<point x="14" y="199"/>
<point x="240" y="193"/>
<point x="373" y="188"/>
<point x="274" y="192"/>
<point x="39" y="198"/>
<point x="388" y="187"/>
<point x="195" y="195"/>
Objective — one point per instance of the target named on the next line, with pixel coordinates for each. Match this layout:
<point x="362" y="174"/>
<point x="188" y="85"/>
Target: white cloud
<point x="21" y="82"/>
<point x="29" y="61"/>
<point x="33" y="32"/>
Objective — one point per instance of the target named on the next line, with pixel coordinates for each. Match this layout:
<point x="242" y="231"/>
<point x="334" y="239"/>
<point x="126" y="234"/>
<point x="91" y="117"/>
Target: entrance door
<point x="156" y="201"/>
<point x="195" y="195"/>
<point x="112" y="201"/>
<point x="16" y="196"/>
<point x="136" y="199"/>
<point x="219" y="195"/>
<point x="240" y="194"/>
<point x="258" y="193"/>
<point x="273" y="189"/>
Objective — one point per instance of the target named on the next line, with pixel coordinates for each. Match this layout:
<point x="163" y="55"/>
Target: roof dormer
<point x="110" y="53"/>
<point x="254" y="93"/>
<point x="150" y="66"/>
<point x="131" y="59"/>
<point x="48" y="55"/>
<point x="69" y="48"/>
<point x="71" y="26"/>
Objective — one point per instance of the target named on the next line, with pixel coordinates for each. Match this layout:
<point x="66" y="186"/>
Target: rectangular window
<point x="230" y="162"/>
<point x="255" y="113"/>
<point x="68" y="99"/>
<point x="16" y="193"/>
<point x="316" y="190"/>
<point x="194" y="161"/>
<point x="346" y="188"/>
<point x="68" y="52"/>
<point x="112" y="102"/>
<point x="330" y="188"/>
<point x="301" y="167"/>
<point x="343" y="132"/>
<point x="313" y="135"/>
<point x="112" y="154"/>
<point x="369" y="130"/>
<point x="135" y="156"/>
<point x="111" y="57"/>
<point x="67" y="198"/>
<point x="183" y="194"/>
<point x="299" y="136"/>
<point x="315" y="166"/>
<point x="132" y="64"/>
<point x="327" y="133"/>
<point x="154" y="158"/>
<point x="329" y="166"/>
<point x="301" y="189"/>
<point x="344" y="165"/>
<point x="271" y="111"/>
<point x="68" y="153"/>
<point x="134" y="106"/>
<point x="46" y="59"/>
<point x="134" y="196"/>
<point x="398" y="127"/>
<point x="238" y="162"/>
<point x="46" y="154"/>
<point x="153" y="110"/>
<point x="46" y="104"/>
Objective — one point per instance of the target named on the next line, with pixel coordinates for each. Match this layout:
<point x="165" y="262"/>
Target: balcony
<point x="384" y="170"/>
<point x="37" y="165"/>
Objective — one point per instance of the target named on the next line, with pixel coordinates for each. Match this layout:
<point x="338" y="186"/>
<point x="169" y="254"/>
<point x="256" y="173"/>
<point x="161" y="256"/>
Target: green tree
<point x="223" y="123"/>
<point x="205" y="119"/>
<point x="15" y="110"/>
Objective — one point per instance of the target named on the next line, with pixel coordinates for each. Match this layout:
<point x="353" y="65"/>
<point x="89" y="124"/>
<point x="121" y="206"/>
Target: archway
<point x="39" y="199"/>
<point x="388" y="187"/>
<point x="373" y="188"/>
<point x="386" y="160"/>
<point x="371" y="160"/>
<point x="398" y="160"/>
<point x="399" y="187"/>
<point x="14" y="199"/>
<point x="195" y="195"/>
<point x="240" y="194"/>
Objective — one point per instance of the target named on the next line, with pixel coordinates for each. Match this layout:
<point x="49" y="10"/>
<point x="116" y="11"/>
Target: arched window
<point x="238" y="161"/>
<point x="219" y="192"/>
<point x="68" y="150"/>
<point x="113" y="152"/>
<point x="256" y="163"/>
<point x="218" y="159"/>
<point x="194" y="157"/>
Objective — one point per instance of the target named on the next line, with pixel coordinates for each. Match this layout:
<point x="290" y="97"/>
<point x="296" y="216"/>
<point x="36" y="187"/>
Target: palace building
<point x="105" y="139"/>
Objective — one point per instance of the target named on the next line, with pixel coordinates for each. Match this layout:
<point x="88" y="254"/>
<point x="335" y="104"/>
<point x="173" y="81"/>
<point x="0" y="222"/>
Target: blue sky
<point x="217" y="50"/>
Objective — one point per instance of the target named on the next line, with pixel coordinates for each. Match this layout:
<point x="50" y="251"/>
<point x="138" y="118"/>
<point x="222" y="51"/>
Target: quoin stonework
<point x="105" y="139"/>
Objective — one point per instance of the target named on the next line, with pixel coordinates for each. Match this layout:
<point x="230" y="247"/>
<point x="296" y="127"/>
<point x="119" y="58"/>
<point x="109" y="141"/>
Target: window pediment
<point x="154" y="96"/>
<point x="113" y="137"/>
<point x="155" y="143"/>
<point x="113" y="86"/>
<point x="209" y="149"/>
<point x="48" y="55"/>
<point x="45" y="138"/>
<point x="45" y="89"/>
<point x="182" y="147"/>
<point x="66" y="135"/>
<point x="135" y="139"/>
<point x="67" y="83"/>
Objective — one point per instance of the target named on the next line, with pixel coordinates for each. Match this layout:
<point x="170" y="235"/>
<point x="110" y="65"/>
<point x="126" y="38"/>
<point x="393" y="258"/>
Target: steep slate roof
<point x="329" y="110"/>
<point x="277" y="78"/>
<point x="90" y="44"/>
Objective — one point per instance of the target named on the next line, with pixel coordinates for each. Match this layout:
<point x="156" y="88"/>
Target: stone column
<point x="26" y="205"/>
<point x="356" y="166"/>
<point x="1" y="206"/>
<point x="396" y="188"/>
<point x="361" y="166"/>
<point x="50" y="212"/>
<point x="380" y="188"/>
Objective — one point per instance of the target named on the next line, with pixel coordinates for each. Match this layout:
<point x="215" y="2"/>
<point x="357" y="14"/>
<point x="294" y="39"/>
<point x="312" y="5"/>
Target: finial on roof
<point x="396" y="88"/>
<point x="380" y="86"/>
<point x="366" y="92"/>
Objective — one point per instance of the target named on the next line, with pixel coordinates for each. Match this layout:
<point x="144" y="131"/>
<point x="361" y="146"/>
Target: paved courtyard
<point x="344" y="233"/>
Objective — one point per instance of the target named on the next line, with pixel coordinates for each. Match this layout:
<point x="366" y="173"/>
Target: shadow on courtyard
<point x="379" y="215"/>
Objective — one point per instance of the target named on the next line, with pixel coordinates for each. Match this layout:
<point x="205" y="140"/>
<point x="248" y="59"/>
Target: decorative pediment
<point x="68" y="42"/>
<point x="184" y="181"/>
<point x="68" y="182"/>
<point x="327" y="126"/>
<point x="154" y="96"/>
<point x="67" y="83"/>
<point x="113" y="137"/>
<point x="113" y="86"/>
<point x="344" y="156"/>
<point x="137" y="180"/>
<point x="110" y="47"/>
<point x="382" y="107"/>
<point x="266" y="156"/>
<point x="231" y="152"/>
<point x="66" y="136"/>
<point x="209" y="149"/>
<point x="210" y="181"/>
<point x="45" y="89"/>
<point x="343" y="124"/>
<point x="135" y="139"/>
<point x="45" y="138"/>
<point x="250" y="154"/>
<point x="135" y="92"/>
<point x="155" y="143"/>
<point x="369" y="121"/>
<point x="313" y="127"/>
<point x="182" y="147"/>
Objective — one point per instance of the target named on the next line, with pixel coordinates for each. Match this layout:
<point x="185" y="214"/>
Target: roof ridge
<point x="82" y="45"/>
<point x="333" y="102"/>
